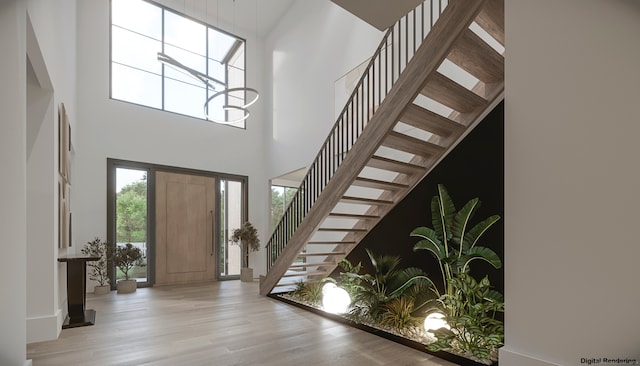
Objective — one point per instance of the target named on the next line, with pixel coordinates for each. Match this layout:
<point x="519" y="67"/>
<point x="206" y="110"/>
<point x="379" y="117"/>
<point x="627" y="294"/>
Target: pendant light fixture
<point x="250" y="95"/>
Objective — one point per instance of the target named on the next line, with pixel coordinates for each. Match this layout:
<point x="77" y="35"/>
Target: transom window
<point x="142" y="30"/>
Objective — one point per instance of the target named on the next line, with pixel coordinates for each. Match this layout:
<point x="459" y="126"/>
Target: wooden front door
<point x="185" y="228"/>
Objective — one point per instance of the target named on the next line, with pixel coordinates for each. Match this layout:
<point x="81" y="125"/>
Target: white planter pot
<point x="127" y="286"/>
<point x="246" y="274"/>
<point x="101" y="290"/>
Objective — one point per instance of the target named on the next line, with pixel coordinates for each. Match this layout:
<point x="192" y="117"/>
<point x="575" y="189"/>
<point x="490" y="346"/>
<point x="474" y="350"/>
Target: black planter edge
<point x="459" y="360"/>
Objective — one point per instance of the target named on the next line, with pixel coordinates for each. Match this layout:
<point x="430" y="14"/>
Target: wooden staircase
<point x="436" y="74"/>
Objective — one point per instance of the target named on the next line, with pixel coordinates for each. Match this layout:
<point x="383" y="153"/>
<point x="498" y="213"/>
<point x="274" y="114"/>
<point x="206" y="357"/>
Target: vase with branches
<point x="98" y="269"/>
<point x="247" y="237"/>
<point x="125" y="257"/>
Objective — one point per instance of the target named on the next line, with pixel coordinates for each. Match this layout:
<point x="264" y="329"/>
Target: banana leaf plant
<point x="452" y="240"/>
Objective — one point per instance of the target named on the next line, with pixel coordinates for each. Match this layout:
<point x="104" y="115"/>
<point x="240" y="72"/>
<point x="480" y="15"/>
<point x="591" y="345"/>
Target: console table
<point x="76" y="291"/>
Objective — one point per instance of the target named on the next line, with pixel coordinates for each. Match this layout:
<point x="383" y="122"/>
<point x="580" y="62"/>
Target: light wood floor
<point x="225" y="323"/>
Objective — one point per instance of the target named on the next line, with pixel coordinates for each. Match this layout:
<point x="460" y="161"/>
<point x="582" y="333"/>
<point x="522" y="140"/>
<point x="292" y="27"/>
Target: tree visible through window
<point x="280" y="199"/>
<point x="131" y="214"/>
<point x="140" y="30"/>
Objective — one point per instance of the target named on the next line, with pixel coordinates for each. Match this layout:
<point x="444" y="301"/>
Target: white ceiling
<point x="251" y="16"/>
<point x="379" y="13"/>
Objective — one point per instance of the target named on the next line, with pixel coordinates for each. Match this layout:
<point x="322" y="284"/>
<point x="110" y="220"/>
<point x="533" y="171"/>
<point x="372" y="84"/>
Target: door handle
<point x="213" y="233"/>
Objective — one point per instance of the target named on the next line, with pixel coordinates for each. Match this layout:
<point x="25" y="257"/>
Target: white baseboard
<point x="44" y="328"/>
<point x="60" y="315"/>
<point x="511" y="358"/>
<point x="28" y="363"/>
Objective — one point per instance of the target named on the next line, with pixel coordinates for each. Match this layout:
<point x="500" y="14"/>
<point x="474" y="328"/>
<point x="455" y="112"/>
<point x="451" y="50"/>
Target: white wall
<point x="315" y="44"/>
<point x="321" y="42"/>
<point x="51" y="49"/>
<point x="114" y="129"/>
<point x="43" y="315"/>
<point x="571" y="181"/>
<point x="13" y="165"/>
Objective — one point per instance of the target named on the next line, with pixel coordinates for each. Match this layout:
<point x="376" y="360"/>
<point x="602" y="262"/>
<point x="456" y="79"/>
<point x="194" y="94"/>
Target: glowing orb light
<point x="334" y="299"/>
<point x="434" y="321"/>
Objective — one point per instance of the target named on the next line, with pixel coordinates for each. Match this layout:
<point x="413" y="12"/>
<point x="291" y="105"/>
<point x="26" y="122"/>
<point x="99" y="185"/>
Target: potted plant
<point x="98" y="269"/>
<point x="247" y="237"/>
<point x="126" y="257"/>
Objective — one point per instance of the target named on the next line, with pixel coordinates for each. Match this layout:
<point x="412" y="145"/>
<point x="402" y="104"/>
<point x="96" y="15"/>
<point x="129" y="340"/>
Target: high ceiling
<point x="252" y="16"/>
<point x="380" y="13"/>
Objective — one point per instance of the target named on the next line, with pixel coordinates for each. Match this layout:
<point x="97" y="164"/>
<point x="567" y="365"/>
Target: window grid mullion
<point x="162" y="25"/>
<point x="164" y="46"/>
<point x="206" y="65"/>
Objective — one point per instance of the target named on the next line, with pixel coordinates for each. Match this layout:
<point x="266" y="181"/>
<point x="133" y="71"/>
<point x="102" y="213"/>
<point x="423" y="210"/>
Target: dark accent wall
<point x="475" y="168"/>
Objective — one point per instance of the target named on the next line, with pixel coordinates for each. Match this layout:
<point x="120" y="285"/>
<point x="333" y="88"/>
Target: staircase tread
<point x="446" y="91"/>
<point x="342" y="229"/>
<point x="282" y="284"/>
<point x="320" y="254"/>
<point x="381" y="184"/>
<point x="406" y="143"/>
<point x="332" y="242"/>
<point x="305" y="273"/>
<point x="427" y="120"/>
<point x="317" y="264"/>
<point x="479" y="59"/>
<point x="363" y="200"/>
<point x="345" y="215"/>
<point x="394" y="165"/>
<point x="491" y="19"/>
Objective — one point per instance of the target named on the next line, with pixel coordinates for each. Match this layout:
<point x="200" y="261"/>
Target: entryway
<point x="180" y="218"/>
<point x="185" y="228"/>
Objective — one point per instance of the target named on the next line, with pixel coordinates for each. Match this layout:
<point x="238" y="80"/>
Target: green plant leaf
<point x="472" y="237"/>
<point x="403" y="276"/>
<point x="481" y="353"/>
<point x="482" y="253"/>
<point x="442" y="213"/>
<point x="417" y="279"/>
<point x="443" y="334"/>
<point x="372" y="258"/>
<point x="493" y="339"/>
<point x="438" y="346"/>
<point x="397" y="315"/>
<point x="437" y="220"/>
<point x="430" y="242"/>
<point x="448" y="208"/>
<point x="494" y="296"/>
<point x="462" y="218"/>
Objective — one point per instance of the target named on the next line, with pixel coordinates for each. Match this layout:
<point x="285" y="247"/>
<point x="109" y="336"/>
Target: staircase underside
<point x="454" y="79"/>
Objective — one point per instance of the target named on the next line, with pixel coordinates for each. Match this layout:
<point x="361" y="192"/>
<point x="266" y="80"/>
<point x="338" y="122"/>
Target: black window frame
<point x="208" y="93"/>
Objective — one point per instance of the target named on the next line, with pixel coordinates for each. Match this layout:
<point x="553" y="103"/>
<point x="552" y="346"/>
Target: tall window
<point x="232" y="215"/>
<point x="140" y="30"/>
<point x="131" y="218"/>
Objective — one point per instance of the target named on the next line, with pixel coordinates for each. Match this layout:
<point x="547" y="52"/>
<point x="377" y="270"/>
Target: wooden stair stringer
<point x="412" y="180"/>
<point x="452" y="133"/>
<point x="453" y="21"/>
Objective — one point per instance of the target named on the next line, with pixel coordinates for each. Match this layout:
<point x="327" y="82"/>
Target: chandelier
<point x="210" y="84"/>
<point x="217" y="89"/>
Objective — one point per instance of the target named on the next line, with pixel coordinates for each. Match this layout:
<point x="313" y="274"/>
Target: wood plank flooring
<point x="223" y="323"/>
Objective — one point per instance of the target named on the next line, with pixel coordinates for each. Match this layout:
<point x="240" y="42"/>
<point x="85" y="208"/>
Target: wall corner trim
<point x="43" y="328"/>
